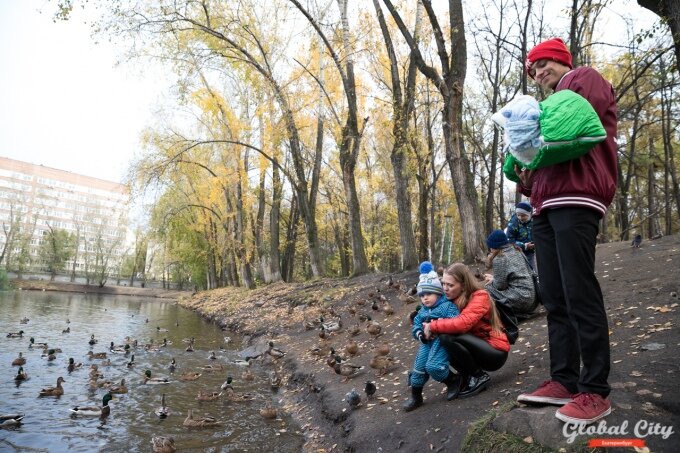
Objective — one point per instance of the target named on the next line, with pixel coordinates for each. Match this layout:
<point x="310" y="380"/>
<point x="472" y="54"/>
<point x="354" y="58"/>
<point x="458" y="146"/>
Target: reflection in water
<point x="162" y="333"/>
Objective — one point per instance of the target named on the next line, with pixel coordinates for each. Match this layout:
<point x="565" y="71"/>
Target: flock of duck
<point x="127" y="350"/>
<point x="329" y="326"/>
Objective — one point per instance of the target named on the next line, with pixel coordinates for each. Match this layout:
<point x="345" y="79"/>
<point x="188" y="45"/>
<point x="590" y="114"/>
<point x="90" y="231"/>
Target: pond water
<point x="49" y="424"/>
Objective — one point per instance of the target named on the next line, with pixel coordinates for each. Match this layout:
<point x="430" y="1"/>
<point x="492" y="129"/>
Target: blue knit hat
<point x="497" y="239"/>
<point x="428" y="281"/>
<point x="524" y="208"/>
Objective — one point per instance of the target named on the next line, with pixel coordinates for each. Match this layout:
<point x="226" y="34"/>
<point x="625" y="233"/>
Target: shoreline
<point x="43" y="285"/>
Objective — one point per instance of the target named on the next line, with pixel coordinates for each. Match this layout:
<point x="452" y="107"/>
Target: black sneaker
<point x="475" y="385"/>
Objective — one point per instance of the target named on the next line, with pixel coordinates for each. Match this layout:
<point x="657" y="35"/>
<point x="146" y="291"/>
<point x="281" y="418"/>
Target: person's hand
<point x="427" y="331"/>
<point x="529" y="245"/>
<point x="488" y="278"/>
<point x="525" y="176"/>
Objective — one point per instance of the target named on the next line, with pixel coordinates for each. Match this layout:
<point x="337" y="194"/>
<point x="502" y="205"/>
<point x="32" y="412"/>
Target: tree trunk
<point x="450" y="85"/>
<point x="288" y="260"/>
<point x="402" y="107"/>
<point x="652" y="218"/>
<point x="274" y="226"/>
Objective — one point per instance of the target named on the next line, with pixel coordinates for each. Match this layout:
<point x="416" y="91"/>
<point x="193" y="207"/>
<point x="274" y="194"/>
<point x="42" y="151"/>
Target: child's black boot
<point x="416" y="399"/>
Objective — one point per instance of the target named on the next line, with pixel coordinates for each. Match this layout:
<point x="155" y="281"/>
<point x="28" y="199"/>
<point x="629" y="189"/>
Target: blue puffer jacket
<point x="443" y="308"/>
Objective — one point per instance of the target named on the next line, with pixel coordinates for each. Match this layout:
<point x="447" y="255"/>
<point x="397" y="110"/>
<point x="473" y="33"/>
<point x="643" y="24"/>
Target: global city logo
<point x="640" y="430"/>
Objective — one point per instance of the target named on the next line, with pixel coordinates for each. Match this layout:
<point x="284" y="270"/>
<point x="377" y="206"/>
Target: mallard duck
<point x="332" y="326"/>
<point x="320" y="351"/>
<point x="212" y="356"/>
<point x="211" y="368"/>
<point x="92" y="341"/>
<point x="382" y="349"/>
<point x="352" y="348"/>
<point x="131" y="363"/>
<point x="119" y="349"/>
<point x="406" y="298"/>
<point x="387" y="309"/>
<point x="190" y="348"/>
<point x="24" y="320"/>
<point x="95" y="373"/>
<point x="241" y="362"/>
<point x="53" y="391"/>
<point x="268" y="412"/>
<point x="96" y="355"/>
<point x="274" y="380"/>
<point x="275" y="352"/>
<point x="158" y="329"/>
<point x="173" y="365"/>
<point x="119" y="388"/>
<point x="203" y="422"/>
<point x="66" y="330"/>
<point x="72" y="365"/>
<point x="374" y="328"/>
<point x="311" y="325"/>
<point x="21" y="360"/>
<point x="248" y="375"/>
<point x="232" y="395"/>
<point x="347" y="370"/>
<point x="323" y="333"/>
<point x="33" y="344"/>
<point x="95" y="411"/>
<point x="154" y="381"/>
<point x="166" y="342"/>
<point x="163" y="444"/>
<point x="163" y="411"/>
<point x="382" y="363"/>
<point x="227" y="383"/>
<point x="18" y="334"/>
<point x="354" y="330"/>
<point x="207" y="397"/>
<point x="21" y="374"/>
<point x="191" y="376"/>
<point x="9" y="420"/>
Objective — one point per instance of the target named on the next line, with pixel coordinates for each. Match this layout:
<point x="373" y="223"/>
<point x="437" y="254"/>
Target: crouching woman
<point x="474" y="340"/>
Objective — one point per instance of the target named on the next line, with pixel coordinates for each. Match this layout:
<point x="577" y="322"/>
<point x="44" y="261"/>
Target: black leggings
<point x="469" y="354"/>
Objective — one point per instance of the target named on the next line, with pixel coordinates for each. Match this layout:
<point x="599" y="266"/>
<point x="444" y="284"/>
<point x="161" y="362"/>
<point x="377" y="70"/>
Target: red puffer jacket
<point x="473" y="319"/>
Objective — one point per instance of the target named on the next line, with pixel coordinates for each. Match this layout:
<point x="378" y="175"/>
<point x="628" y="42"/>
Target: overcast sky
<point x="63" y="102"/>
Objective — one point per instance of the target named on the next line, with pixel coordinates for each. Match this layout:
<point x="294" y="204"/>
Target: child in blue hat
<point x="519" y="231"/>
<point x="431" y="359"/>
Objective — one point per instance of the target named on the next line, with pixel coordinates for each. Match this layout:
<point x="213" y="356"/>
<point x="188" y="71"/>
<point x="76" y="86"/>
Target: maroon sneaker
<point x="584" y="408"/>
<point x="550" y="392"/>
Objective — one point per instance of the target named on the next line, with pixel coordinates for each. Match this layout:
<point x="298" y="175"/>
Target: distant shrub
<point x="4" y="280"/>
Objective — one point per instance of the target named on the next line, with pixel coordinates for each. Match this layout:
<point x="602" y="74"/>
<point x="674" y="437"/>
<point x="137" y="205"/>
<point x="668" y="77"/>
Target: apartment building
<point x="35" y="199"/>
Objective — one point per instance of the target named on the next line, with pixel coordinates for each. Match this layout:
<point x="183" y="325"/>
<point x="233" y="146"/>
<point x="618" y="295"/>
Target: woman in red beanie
<point x="569" y="199"/>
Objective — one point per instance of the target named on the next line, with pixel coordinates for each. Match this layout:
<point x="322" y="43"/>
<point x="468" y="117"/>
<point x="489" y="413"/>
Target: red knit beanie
<point x="552" y="49"/>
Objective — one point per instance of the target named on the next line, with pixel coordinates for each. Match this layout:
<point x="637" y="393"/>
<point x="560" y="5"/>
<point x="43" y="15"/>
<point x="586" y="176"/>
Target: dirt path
<point x="641" y="294"/>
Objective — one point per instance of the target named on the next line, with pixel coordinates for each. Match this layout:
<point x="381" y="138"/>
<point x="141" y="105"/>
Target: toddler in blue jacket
<point x="431" y="359"/>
